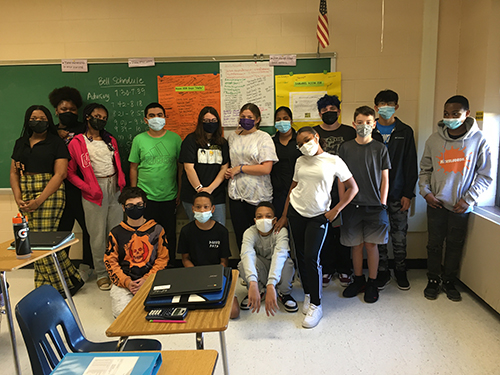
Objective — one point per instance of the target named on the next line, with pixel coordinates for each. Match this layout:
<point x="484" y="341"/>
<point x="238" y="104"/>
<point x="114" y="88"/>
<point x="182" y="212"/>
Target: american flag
<point x="322" y="30"/>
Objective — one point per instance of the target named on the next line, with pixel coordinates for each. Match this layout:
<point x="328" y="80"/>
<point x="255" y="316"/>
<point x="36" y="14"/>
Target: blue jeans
<point x="443" y="224"/>
<point x="219" y="214"/>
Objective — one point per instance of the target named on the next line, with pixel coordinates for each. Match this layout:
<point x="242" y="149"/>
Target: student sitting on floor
<point x="137" y="248"/>
<point x="265" y="263"/>
<point x="204" y="241"/>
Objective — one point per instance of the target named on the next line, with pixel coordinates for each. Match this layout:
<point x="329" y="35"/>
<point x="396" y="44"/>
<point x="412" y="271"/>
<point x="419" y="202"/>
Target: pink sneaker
<point x="345" y="279"/>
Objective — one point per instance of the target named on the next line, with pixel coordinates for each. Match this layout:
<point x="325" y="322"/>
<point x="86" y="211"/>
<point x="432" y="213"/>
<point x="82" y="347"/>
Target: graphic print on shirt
<point x="332" y="144"/>
<point x="453" y="160"/>
<point x="158" y="155"/>
<point x="210" y="156"/>
<point x="214" y="244"/>
<point x="86" y="160"/>
<point x="138" y="250"/>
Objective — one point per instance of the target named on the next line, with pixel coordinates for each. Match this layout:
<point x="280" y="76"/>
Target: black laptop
<point x="49" y="240"/>
<point x="175" y="281"/>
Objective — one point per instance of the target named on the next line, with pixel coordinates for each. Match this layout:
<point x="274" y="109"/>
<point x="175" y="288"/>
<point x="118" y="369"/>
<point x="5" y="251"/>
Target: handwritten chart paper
<point x="185" y="96"/>
<point x="246" y="82"/>
<point x="301" y="92"/>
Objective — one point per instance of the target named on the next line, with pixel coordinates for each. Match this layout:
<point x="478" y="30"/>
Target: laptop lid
<point x="174" y="281"/>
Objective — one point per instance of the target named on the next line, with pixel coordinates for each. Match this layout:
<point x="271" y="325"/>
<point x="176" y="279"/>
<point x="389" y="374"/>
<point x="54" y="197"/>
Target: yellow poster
<point x="300" y="92"/>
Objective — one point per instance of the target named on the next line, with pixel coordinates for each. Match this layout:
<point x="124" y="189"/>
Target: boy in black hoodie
<point x="400" y="142"/>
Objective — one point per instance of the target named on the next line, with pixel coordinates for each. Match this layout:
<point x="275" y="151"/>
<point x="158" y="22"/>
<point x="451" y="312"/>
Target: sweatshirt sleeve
<point x="424" y="182"/>
<point x="483" y="175"/>
<point x="112" y="264"/>
<point x="248" y="255"/>
<point x="280" y="254"/>
<point x="161" y="257"/>
<point x="73" y="168"/>
<point x="411" y="167"/>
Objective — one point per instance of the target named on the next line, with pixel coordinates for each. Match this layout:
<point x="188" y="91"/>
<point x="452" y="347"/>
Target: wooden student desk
<point x="132" y="321"/>
<point x="9" y="262"/>
<point x="188" y="362"/>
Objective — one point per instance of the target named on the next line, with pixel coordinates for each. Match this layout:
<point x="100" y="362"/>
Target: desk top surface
<point x="9" y="261"/>
<point x="132" y="321"/>
<point x="188" y="362"/>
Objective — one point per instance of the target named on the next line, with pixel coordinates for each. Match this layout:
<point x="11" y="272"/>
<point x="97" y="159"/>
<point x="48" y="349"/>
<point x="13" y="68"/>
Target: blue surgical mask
<point x="283" y="126"/>
<point x="202" y="217"/>
<point x="386" y="112"/>
<point x="156" y="123"/>
<point x="452" y="123"/>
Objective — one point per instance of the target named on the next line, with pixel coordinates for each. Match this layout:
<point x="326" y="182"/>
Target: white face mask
<point x="310" y="148"/>
<point x="156" y="123"/>
<point x="202" y="217"/>
<point x="264" y="225"/>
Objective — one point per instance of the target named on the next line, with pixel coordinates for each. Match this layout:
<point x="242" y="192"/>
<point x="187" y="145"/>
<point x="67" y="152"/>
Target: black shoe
<point x="402" y="279"/>
<point x="288" y="302"/>
<point x="451" y="292"/>
<point x="244" y="303"/>
<point x="356" y="287"/>
<point x="432" y="290"/>
<point x="383" y="279"/>
<point x="371" y="291"/>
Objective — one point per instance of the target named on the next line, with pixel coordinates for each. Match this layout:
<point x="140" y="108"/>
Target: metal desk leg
<point x="66" y="291"/>
<point x="199" y="341"/>
<point x="8" y="309"/>
<point x="223" y="350"/>
<point x="120" y="346"/>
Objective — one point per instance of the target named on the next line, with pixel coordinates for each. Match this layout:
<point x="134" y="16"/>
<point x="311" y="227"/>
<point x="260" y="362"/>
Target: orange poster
<point x="185" y="96"/>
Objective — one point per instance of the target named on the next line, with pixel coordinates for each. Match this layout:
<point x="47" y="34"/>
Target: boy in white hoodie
<point x="454" y="171"/>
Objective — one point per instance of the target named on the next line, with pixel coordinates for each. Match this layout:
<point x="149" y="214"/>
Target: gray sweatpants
<point x="101" y="219"/>
<point x="120" y="298"/>
<point x="262" y="264"/>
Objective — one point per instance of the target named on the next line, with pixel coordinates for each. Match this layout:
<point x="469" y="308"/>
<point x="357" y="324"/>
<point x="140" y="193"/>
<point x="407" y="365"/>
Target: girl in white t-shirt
<point x="252" y="155"/>
<point x="307" y="209"/>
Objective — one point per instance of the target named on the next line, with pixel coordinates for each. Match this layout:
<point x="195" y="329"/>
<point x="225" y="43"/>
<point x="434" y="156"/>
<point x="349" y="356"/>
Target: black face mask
<point x="68" y="119"/>
<point x="330" y="117"/>
<point x="210" y="127"/>
<point x="38" y="126"/>
<point x="97" y="123"/>
<point x="134" y="213"/>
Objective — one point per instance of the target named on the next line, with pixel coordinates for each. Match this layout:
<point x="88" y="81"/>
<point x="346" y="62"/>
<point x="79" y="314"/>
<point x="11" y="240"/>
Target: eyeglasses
<point x="383" y="104"/>
<point x="210" y="121"/>
<point x="132" y="206"/>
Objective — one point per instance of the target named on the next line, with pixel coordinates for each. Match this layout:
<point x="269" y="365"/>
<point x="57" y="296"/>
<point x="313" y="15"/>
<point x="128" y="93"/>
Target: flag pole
<point x="317" y="51"/>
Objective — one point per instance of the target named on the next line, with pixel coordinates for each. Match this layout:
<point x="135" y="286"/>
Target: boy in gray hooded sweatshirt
<point x="454" y="171"/>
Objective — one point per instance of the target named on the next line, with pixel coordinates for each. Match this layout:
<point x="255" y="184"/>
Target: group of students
<point x="325" y="191"/>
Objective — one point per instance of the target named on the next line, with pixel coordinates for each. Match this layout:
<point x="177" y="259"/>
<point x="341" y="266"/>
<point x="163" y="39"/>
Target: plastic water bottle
<point x="21" y="234"/>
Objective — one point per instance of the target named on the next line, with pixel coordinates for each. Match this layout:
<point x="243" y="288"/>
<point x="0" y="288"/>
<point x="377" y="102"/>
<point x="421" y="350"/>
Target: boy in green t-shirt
<point x="154" y="168"/>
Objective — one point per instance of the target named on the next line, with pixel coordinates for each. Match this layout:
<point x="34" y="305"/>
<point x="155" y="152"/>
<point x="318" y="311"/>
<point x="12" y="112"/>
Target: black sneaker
<point x="451" y="292"/>
<point x="371" y="291"/>
<point x="432" y="289"/>
<point x="357" y="286"/>
<point x="288" y="302"/>
<point x="244" y="303"/>
<point x="383" y="279"/>
<point x="402" y="279"/>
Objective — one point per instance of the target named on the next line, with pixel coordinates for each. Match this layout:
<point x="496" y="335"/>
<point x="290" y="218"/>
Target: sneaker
<point x="451" y="291"/>
<point x="402" y="279"/>
<point x="244" y="303"/>
<point x="104" y="283"/>
<point x="307" y="302"/>
<point x="243" y="282"/>
<point x="288" y="302"/>
<point x="357" y="286"/>
<point x="85" y="272"/>
<point x="432" y="289"/>
<point x="313" y="316"/>
<point x="345" y="279"/>
<point x="327" y="278"/>
<point x="371" y="291"/>
<point x="383" y="279"/>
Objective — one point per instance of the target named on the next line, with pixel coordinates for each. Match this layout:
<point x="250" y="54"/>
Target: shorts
<point x="364" y="224"/>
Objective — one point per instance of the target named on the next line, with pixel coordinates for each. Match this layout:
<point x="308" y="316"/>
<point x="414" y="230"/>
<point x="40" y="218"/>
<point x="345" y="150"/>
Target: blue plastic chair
<point x="40" y="313"/>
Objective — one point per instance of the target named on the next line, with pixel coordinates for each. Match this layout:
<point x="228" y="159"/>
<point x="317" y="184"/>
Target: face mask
<point x="202" y="217"/>
<point x="156" y="123"/>
<point x="97" y="123"/>
<point x="211" y="127"/>
<point x="68" y="119"/>
<point x="38" y="126"/>
<point x="264" y="225"/>
<point x="452" y="123"/>
<point x="283" y="126"/>
<point x="364" y="129"/>
<point x="386" y="112"/>
<point x="330" y="117"/>
<point x="310" y="148"/>
<point x="135" y="212"/>
<point x="247" y="123"/>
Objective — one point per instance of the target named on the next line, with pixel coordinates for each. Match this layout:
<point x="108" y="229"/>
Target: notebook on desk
<point x="176" y="281"/>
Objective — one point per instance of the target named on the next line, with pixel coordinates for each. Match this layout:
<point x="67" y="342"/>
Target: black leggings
<point x="242" y="217"/>
<point x="308" y="235"/>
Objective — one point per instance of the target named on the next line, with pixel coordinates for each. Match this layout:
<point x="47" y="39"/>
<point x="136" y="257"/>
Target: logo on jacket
<point x="138" y="250"/>
<point x="453" y="160"/>
<point x="86" y="160"/>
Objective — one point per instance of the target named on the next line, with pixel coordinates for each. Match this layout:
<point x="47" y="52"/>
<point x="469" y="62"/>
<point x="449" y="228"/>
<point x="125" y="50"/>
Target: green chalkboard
<point x="123" y="90"/>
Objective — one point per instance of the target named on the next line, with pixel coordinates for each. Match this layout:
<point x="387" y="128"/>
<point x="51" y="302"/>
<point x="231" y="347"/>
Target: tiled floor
<point x="403" y="333"/>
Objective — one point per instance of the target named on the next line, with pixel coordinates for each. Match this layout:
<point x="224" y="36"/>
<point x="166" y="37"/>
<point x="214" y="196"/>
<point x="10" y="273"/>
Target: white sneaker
<point x="314" y="315"/>
<point x="307" y="302"/>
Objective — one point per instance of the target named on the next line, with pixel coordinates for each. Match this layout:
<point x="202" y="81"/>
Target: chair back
<point x="39" y="314"/>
